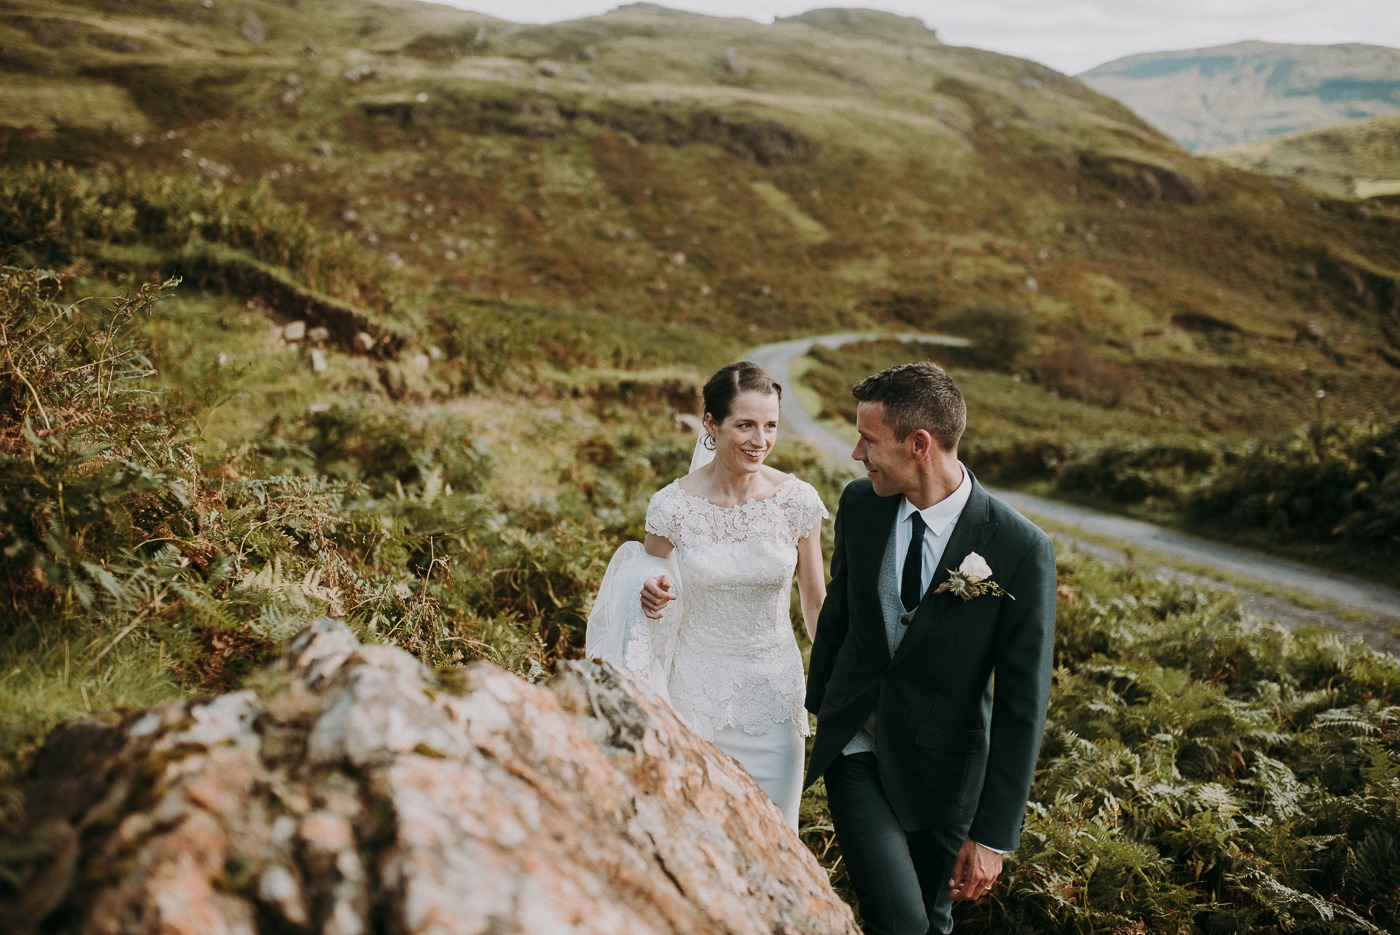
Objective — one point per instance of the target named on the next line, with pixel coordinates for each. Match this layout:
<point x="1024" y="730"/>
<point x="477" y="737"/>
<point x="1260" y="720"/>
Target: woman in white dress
<point x="711" y="631"/>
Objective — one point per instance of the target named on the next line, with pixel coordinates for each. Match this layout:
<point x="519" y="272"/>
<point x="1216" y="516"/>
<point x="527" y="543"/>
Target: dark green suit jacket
<point x="956" y="746"/>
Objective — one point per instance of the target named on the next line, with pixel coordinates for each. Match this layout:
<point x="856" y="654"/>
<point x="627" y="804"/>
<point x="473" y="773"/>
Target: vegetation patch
<point x="567" y="250"/>
<point x="1325" y="490"/>
<point x="171" y="97"/>
<point x="1142" y="180"/>
<point x="41" y="106"/>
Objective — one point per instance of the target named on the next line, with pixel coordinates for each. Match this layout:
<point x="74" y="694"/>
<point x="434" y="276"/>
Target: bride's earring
<point x="709" y="442"/>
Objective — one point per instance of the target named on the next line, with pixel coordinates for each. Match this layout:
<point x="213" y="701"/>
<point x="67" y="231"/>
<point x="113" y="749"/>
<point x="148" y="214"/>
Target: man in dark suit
<point x="930" y="670"/>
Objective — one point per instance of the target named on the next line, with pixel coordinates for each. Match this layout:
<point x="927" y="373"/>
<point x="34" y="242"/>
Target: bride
<point x="711" y="632"/>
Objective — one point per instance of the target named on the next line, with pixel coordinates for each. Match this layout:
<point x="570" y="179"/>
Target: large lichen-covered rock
<point x="357" y="792"/>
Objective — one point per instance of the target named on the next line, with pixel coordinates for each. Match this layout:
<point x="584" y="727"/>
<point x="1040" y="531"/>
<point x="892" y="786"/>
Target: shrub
<point x="110" y="523"/>
<point x="1202" y="771"/>
<point x="1327" y="480"/>
<point x="56" y="215"/>
<point x="1134" y="472"/>
<point x="1074" y="370"/>
<point x="92" y="477"/>
<point x="383" y="446"/>
<point x="999" y="333"/>
<point x="1014" y="460"/>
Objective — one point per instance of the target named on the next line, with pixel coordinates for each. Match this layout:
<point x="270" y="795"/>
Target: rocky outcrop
<point x="358" y="792"/>
<point x="1144" y="181"/>
<point x="351" y="329"/>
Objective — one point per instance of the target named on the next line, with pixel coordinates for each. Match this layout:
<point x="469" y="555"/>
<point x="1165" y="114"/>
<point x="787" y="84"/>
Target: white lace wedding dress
<point x="724" y="653"/>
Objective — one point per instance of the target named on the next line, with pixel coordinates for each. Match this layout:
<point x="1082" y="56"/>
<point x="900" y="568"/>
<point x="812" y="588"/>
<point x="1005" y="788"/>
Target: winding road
<point x="1288" y="592"/>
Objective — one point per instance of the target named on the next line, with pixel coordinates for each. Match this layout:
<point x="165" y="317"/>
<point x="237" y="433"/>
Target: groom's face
<point x="889" y="462"/>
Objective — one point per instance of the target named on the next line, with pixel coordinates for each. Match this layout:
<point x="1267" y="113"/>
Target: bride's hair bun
<point x="728" y="382"/>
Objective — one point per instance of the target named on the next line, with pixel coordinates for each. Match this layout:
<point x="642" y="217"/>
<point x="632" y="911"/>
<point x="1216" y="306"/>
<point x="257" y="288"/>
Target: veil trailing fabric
<point x="618" y="632"/>
<point x="701" y="456"/>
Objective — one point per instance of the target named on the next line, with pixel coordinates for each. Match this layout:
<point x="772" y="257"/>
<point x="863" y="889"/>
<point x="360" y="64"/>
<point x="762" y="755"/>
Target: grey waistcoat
<point x="892" y="612"/>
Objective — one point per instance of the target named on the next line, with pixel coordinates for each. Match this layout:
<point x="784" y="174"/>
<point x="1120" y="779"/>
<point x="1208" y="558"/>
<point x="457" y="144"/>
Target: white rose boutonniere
<point x="972" y="579"/>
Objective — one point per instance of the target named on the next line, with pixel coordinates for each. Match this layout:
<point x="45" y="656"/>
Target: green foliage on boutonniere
<point x="973" y="578"/>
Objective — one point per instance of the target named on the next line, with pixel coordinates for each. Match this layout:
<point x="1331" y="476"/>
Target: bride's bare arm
<point x="811" y="578"/>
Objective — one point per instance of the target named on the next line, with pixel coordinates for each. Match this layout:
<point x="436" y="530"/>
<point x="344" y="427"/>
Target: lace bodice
<point x="736" y="662"/>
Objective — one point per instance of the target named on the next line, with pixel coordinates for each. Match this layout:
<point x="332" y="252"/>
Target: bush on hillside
<point x="106" y="513"/>
<point x="1073" y="370"/>
<point x="1202" y="771"/>
<point x="56" y="215"/>
<point x="382" y="446"/>
<point x="999" y="333"/>
<point x="1009" y="461"/>
<point x="1137" y="471"/>
<point x="89" y="467"/>
<point x="110" y="521"/>
<point x="1328" y="480"/>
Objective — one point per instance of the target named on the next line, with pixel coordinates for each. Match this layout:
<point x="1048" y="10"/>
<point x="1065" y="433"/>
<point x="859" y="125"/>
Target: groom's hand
<point x="656" y="594"/>
<point x="977" y="867"/>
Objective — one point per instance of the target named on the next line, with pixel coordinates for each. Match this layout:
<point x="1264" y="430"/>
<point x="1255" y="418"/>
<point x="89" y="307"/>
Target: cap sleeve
<point x="663" y="514"/>
<point x="806" y="508"/>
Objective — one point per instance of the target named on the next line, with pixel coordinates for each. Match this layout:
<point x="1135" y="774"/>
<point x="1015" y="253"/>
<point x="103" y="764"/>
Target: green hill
<point x="1206" y="99"/>
<point x="739" y="179"/>
<point x="445" y="282"/>
<point x="1360" y="159"/>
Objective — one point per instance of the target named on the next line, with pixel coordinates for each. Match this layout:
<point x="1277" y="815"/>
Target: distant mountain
<point x="1360" y="159"/>
<point x="1211" y="98"/>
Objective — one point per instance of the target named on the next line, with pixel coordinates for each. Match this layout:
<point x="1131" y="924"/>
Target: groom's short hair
<point x="918" y="395"/>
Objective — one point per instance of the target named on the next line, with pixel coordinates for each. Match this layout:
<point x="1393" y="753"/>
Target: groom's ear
<point x="921" y="443"/>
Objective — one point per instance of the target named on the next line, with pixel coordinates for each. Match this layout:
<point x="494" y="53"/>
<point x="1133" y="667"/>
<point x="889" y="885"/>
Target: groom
<point x="929" y="685"/>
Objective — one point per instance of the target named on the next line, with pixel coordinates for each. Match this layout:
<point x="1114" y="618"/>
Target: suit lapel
<point x="972" y="532"/>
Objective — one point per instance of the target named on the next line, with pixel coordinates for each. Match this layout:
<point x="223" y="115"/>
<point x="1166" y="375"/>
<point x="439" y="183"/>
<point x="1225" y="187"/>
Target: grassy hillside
<point x="497" y="221"/>
<point x="1348" y="160"/>
<point x="386" y="310"/>
<point x="738" y="178"/>
<point x="1324" y="492"/>
<point x="488" y="217"/>
<point x="1206" y="99"/>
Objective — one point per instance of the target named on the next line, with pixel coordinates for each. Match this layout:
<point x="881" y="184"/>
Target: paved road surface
<point x="1357" y="607"/>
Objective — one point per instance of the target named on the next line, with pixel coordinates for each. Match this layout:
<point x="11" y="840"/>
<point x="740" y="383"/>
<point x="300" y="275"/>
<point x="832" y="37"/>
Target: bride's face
<point x="748" y="433"/>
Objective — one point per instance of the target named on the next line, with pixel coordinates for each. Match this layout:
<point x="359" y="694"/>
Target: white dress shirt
<point x="939" y="520"/>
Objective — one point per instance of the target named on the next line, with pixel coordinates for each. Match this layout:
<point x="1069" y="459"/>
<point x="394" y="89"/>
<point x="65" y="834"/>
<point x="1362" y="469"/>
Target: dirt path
<point x="1269" y="587"/>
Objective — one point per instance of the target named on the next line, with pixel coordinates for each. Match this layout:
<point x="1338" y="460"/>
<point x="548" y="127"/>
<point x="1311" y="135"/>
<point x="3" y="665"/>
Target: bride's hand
<point x="656" y="594"/>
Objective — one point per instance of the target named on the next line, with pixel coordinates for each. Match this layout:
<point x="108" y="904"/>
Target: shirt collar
<point x="943" y="513"/>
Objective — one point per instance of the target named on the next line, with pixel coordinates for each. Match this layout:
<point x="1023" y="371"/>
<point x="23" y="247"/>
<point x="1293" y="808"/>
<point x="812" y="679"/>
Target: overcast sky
<point x="1069" y="35"/>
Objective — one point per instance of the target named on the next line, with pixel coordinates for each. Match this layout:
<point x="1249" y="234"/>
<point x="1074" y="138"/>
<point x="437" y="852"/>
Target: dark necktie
<point x="911" y="584"/>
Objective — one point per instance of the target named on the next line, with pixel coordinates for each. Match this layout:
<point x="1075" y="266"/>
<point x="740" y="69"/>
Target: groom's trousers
<point x="900" y="877"/>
